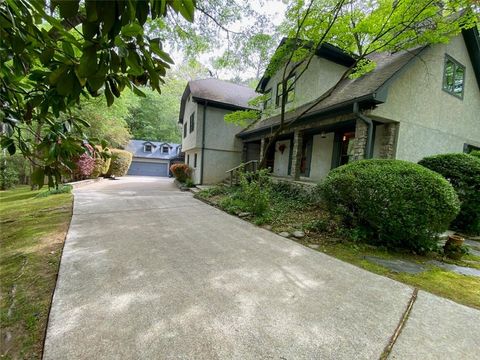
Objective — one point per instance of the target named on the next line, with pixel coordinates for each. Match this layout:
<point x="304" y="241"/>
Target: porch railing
<point x="234" y="174"/>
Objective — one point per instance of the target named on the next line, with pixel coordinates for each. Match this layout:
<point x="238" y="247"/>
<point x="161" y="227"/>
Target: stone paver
<point x="462" y="270"/>
<point x="148" y="272"/>
<point x="397" y="265"/>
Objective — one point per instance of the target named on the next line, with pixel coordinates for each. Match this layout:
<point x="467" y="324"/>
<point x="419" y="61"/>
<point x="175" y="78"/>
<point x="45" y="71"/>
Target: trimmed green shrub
<point x="98" y="167"/>
<point x="475" y="153"/>
<point x="120" y="162"/>
<point x="181" y="172"/>
<point x="463" y="172"/>
<point x="391" y="202"/>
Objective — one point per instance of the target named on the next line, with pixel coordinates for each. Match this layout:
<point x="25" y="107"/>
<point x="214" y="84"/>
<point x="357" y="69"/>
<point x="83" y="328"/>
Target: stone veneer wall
<point x="388" y="141"/>
<point x="361" y="136"/>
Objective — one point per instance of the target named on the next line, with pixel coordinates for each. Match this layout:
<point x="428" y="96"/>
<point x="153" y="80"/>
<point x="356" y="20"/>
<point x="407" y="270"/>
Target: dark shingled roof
<point x="137" y="146"/>
<point x="367" y="87"/>
<point x="217" y="92"/>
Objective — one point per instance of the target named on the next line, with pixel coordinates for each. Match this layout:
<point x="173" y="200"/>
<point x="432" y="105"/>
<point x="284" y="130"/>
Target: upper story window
<point x="192" y="122"/>
<point x="147" y="148"/>
<point x="268" y="99"/>
<point x="290" y="91"/>
<point x="185" y="130"/>
<point x="165" y="149"/>
<point x="453" y="77"/>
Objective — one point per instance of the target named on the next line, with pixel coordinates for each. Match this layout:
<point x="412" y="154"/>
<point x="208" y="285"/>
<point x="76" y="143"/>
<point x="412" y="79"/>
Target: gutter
<point x="369" y="122"/>
<point x="204" y="118"/>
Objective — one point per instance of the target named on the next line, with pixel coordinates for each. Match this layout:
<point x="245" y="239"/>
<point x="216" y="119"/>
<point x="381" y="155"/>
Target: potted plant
<point x="454" y="248"/>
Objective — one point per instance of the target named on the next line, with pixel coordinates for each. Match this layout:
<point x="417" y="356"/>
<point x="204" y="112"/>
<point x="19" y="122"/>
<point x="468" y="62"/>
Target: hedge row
<point x="463" y="172"/>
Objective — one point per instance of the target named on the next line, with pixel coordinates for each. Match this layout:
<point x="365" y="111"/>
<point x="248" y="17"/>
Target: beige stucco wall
<point x="320" y="76"/>
<point x="193" y="139"/>
<point x="217" y="163"/>
<point x="322" y="151"/>
<point x="223" y="150"/>
<point x="431" y="120"/>
<point x="189" y="160"/>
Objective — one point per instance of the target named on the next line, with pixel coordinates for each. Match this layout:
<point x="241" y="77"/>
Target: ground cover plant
<point x="463" y="172"/>
<point x="33" y="229"/>
<point x="292" y="207"/>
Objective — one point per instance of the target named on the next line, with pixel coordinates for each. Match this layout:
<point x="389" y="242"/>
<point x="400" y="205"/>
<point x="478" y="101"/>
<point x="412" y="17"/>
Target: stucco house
<point x="152" y="158"/>
<point x="209" y="143"/>
<point x="417" y="103"/>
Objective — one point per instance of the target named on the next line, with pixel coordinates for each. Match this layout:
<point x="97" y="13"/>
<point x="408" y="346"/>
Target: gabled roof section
<point x="217" y="92"/>
<point x="325" y="50"/>
<point x="369" y="88"/>
<point x="472" y="41"/>
<point x="136" y="147"/>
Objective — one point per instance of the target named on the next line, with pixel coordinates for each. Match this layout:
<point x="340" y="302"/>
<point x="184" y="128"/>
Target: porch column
<point x="387" y="150"/>
<point x="263" y="143"/>
<point x="361" y="136"/>
<point x="297" y="154"/>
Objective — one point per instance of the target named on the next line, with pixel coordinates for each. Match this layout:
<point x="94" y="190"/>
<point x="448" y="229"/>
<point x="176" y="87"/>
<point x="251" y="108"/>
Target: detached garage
<point x="148" y="168"/>
<point x="151" y="158"/>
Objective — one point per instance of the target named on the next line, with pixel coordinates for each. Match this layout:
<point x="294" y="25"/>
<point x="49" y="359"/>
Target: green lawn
<point x="288" y="215"/>
<point x="31" y="240"/>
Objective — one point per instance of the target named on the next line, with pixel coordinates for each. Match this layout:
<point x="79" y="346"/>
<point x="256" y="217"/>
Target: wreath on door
<point x="282" y="148"/>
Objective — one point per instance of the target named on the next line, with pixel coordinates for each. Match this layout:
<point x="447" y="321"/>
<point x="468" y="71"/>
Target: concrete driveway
<point x="148" y="272"/>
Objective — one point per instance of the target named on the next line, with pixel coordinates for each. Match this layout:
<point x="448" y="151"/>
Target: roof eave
<point x="346" y="105"/>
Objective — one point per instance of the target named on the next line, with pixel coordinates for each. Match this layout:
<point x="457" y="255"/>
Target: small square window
<point x="453" y="77"/>
<point x="147" y="148"/>
<point x="165" y="149"/>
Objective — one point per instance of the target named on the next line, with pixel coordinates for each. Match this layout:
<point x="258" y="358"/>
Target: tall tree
<point x="360" y="29"/>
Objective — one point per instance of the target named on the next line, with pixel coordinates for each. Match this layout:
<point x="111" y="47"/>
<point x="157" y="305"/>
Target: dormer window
<point x="147" y="148"/>
<point x="165" y="149"/>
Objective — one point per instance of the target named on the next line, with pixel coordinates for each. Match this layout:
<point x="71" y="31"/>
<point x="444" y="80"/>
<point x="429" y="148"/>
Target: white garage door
<point x="148" y="169"/>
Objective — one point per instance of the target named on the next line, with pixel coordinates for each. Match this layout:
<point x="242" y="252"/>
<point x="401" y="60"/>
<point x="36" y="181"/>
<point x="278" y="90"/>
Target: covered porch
<point x="307" y="153"/>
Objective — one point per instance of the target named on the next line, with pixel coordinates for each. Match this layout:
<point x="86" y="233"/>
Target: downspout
<point x="204" y="117"/>
<point x="369" y="122"/>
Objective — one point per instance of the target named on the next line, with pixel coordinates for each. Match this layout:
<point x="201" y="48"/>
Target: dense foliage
<point x="391" y="202"/>
<point x="120" y="162"/>
<point x="52" y="58"/>
<point x="181" y="172"/>
<point x="463" y="172"/>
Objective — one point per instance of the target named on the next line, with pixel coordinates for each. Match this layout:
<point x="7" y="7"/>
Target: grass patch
<point x="33" y="229"/>
<point x="289" y="213"/>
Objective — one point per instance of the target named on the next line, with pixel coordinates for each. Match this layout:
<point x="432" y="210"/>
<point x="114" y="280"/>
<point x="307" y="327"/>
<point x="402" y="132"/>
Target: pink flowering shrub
<point x="84" y="164"/>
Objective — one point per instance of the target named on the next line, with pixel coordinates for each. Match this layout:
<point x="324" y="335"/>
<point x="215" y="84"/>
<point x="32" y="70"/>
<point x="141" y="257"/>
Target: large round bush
<point x="463" y="172"/>
<point x="394" y="203"/>
<point x="119" y="163"/>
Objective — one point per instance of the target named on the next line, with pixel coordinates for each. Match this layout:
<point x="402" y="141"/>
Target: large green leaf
<point x="68" y="8"/>
<point x="38" y="177"/>
<point x="88" y="62"/>
<point x="133" y="29"/>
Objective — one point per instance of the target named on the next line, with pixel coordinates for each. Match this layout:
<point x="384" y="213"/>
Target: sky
<point x="273" y="9"/>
